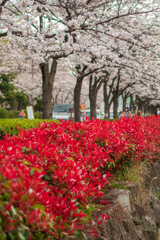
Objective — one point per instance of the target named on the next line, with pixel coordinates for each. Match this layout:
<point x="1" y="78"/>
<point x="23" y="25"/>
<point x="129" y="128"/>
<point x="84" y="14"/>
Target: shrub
<point x="15" y="112"/>
<point x="46" y="183"/>
<point x="3" y="113"/>
<point x="12" y="126"/>
<point x="110" y="120"/>
<point x="10" y="114"/>
<point x="50" y="175"/>
<point x="37" y="115"/>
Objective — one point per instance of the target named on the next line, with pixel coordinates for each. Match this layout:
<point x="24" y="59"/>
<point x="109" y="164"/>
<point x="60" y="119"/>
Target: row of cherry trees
<point x="110" y="43"/>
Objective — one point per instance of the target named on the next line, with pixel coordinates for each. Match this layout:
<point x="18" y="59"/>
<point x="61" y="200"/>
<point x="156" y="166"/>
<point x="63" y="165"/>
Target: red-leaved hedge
<point x="49" y="175"/>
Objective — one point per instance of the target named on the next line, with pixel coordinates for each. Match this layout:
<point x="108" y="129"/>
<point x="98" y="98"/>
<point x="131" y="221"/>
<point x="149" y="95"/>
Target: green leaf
<point x="27" y="235"/>
<point x="84" y="236"/>
<point x="39" y="206"/>
<point x="6" y="196"/>
<point x="78" y="235"/>
<point x="12" y="236"/>
<point x="21" y="236"/>
<point x="32" y="171"/>
<point x="13" y="210"/>
<point x="47" y="177"/>
<point x="2" y="236"/>
<point x="2" y="208"/>
<point x="26" y="163"/>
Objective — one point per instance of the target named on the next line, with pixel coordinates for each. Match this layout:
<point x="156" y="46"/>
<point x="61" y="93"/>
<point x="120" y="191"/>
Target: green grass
<point x="133" y="173"/>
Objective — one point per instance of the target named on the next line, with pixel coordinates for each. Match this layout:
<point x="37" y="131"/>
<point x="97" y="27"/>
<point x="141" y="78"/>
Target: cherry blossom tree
<point x="49" y="30"/>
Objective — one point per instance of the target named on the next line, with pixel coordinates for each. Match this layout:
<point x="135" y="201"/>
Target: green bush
<point x="15" y="112"/>
<point x="38" y="115"/>
<point x="3" y="113"/>
<point x="110" y="120"/>
<point x="12" y="126"/>
<point x="10" y="114"/>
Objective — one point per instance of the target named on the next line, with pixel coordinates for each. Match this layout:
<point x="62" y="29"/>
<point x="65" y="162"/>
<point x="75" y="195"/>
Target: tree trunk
<point x="154" y="108"/>
<point x="47" y="96"/>
<point x="20" y="106"/>
<point x="93" y="100"/>
<point x="77" y="93"/>
<point x="106" y="101"/>
<point x="93" y="91"/>
<point x="139" y="104"/>
<point x="115" y="107"/>
<point x="124" y="103"/>
<point x="47" y="87"/>
<point x="106" y="110"/>
<point x="146" y="108"/>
